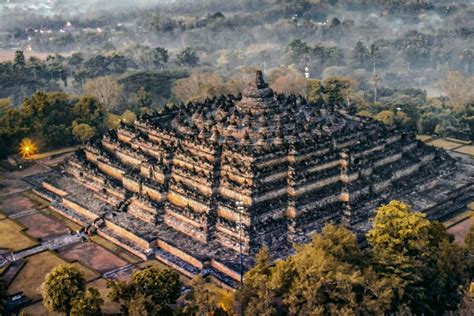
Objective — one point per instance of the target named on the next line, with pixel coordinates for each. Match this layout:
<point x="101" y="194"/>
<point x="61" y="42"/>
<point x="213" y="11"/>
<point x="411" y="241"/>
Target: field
<point x="41" y="226"/>
<point x="468" y="150"/>
<point x="16" y="203"/>
<point x="460" y="229"/>
<point x="443" y="143"/>
<point x="93" y="255"/>
<point x="13" y="237"/>
<point x="122" y="253"/>
<point x="31" y="276"/>
<point x="424" y="138"/>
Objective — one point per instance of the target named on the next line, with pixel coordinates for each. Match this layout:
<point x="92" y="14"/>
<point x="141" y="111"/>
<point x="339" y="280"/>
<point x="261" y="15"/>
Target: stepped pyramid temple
<point x="197" y="185"/>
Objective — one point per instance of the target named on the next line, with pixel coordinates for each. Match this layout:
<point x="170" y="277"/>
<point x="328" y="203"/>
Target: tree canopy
<point x="61" y="287"/>
<point x="151" y="290"/>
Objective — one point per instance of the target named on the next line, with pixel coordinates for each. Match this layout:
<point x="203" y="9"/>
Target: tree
<point x="360" y="55"/>
<point x="386" y="117"/>
<point x="469" y="244"/>
<point x="61" y="286"/>
<point x="288" y="81"/>
<point x="207" y="299"/>
<point x="198" y="87"/>
<point x="337" y="90"/>
<point x="160" y="57"/>
<point x="187" y="57"/>
<point x="82" y="131"/>
<point x="141" y="305"/>
<point x="19" y="59"/>
<point x="328" y="276"/>
<point x="427" y="268"/>
<point x="5" y="104"/>
<point x="87" y="304"/>
<point x="467" y="58"/>
<point x="149" y="289"/>
<point x="142" y="101"/>
<point x="89" y="111"/>
<point x="256" y="296"/>
<point x="297" y="52"/>
<point x="106" y="90"/>
<point x="459" y="90"/>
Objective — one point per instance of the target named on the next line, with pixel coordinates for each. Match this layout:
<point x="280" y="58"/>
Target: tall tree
<point x="419" y="254"/>
<point x="207" y="299"/>
<point x="87" y="304"/>
<point x="187" y="57"/>
<point x="256" y="296"/>
<point x="328" y="277"/>
<point x="160" y="57"/>
<point x="467" y="58"/>
<point x="360" y="55"/>
<point x="469" y="244"/>
<point x="82" y="131"/>
<point x="19" y="59"/>
<point x="149" y="289"/>
<point x="61" y="286"/>
<point x="106" y="90"/>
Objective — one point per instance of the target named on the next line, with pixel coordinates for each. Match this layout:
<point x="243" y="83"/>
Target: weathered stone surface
<point x="172" y="182"/>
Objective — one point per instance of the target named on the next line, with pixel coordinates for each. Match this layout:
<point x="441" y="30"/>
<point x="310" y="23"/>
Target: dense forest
<point x="403" y="62"/>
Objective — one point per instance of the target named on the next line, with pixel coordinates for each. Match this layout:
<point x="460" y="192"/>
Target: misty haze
<point x="236" y="157"/>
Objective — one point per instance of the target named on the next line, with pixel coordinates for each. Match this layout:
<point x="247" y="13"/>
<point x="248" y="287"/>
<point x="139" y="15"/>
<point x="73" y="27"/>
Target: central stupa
<point x="194" y="184"/>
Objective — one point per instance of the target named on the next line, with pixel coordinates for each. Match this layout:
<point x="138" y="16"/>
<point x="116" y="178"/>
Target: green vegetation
<point x="64" y="290"/>
<point x="49" y="120"/>
<point x="61" y="286"/>
<point x="410" y="63"/>
<point x="13" y="238"/>
<point x="412" y="265"/>
<point x="149" y="292"/>
<point x="87" y="304"/>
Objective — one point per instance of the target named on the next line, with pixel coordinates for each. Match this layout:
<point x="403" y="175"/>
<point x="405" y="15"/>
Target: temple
<point x="197" y="185"/>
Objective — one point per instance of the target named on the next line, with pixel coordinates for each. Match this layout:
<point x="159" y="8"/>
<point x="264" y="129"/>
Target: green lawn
<point x="12" y="236"/>
<point x="31" y="276"/>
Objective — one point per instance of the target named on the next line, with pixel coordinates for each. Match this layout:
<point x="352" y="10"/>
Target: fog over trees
<point x="409" y="63"/>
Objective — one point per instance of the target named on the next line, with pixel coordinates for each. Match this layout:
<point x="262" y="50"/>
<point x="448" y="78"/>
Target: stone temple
<point x="195" y="185"/>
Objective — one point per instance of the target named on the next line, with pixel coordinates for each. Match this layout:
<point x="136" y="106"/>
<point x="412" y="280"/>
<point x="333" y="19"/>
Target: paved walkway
<point x="50" y="244"/>
<point x="24" y="213"/>
<point x="121" y="270"/>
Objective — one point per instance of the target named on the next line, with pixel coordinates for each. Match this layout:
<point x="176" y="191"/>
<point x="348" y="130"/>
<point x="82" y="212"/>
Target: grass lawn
<point x="445" y="144"/>
<point x="13" y="238"/>
<point x="53" y="152"/>
<point x="37" y="309"/>
<point x="70" y="224"/>
<point x="88" y="273"/>
<point x="119" y="251"/>
<point x="31" y="276"/>
<point x="424" y="138"/>
<point x="458" y="218"/>
<point x="38" y="201"/>
<point x="464" y="142"/>
<point x="468" y="150"/>
<point x="109" y="307"/>
<point x="29" y="279"/>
